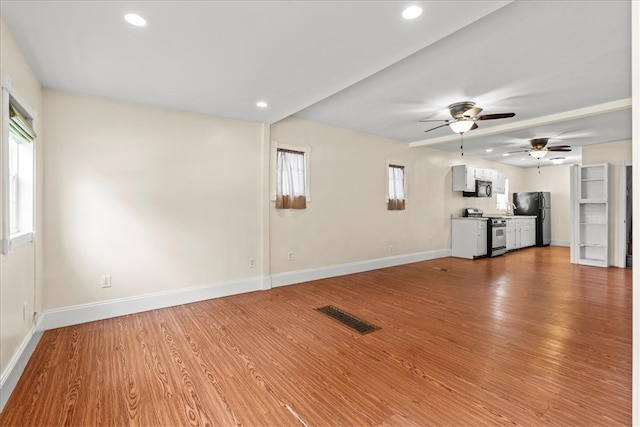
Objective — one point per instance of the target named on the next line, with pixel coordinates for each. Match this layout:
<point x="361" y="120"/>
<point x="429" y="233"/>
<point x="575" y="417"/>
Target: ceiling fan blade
<point x="433" y="120"/>
<point x="559" y="148"/>
<point x="475" y="126"/>
<point x="437" y="127"/>
<point x="496" y="116"/>
<point x="519" y="151"/>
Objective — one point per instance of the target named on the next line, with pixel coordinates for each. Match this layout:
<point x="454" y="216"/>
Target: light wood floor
<point x="523" y="339"/>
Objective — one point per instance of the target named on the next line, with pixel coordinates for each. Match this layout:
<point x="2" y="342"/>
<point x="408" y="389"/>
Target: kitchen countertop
<point x="502" y="216"/>
<point x="469" y="218"/>
<point x="487" y="216"/>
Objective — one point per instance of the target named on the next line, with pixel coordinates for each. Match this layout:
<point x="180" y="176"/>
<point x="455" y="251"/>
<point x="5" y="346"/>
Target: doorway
<point x="626" y="209"/>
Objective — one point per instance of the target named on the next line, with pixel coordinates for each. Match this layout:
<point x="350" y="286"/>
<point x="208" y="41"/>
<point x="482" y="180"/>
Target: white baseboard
<point x="560" y="243"/>
<point x="18" y="362"/>
<point x="74" y="315"/>
<point x="293" y="277"/>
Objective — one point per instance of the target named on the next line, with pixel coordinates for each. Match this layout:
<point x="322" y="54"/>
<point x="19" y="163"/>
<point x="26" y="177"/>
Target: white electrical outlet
<point x="252" y="263"/>
<point x="390" y="248"/>
<point x="106" y="281"/>
<point x="290" y="256"/>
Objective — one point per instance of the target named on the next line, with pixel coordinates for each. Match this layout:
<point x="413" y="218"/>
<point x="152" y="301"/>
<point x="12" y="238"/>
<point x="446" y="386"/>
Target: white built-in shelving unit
<point x="593" y="215"/>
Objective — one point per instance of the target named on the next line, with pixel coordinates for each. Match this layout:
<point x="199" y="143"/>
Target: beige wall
<point x="19" y="269"/>
<point x="615" y="153"/>
<point x="556" y="180"/>
<point x="158" y="199"/>
<point x="347" y="219"/>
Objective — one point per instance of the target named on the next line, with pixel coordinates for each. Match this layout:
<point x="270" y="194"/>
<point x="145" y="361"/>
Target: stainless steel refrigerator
<point x="538" y="204"/>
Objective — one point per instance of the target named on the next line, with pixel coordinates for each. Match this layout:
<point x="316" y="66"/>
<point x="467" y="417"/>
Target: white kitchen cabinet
<point x="511" y="237"/>
<point x="593" y="215"/>
<point x="521" y="233"/>
<point x="468" y="237"/>
<point x="528" y="235"/>
<point x="463" y="178"/>
<point x="483" y="174"/>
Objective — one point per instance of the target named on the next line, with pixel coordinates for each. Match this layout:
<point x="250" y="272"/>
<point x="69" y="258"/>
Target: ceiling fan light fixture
<point x="461" y="126"/>
<point x="538" y="154"/>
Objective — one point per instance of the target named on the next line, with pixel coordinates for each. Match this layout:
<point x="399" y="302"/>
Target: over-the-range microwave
<point x="483" y="189"/>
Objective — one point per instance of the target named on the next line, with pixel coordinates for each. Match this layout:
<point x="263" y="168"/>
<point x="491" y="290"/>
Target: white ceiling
<point x="564" y="67"/>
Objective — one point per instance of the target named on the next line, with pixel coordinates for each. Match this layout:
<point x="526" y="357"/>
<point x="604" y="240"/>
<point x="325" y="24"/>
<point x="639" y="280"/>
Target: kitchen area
<point x="476" y="234"/>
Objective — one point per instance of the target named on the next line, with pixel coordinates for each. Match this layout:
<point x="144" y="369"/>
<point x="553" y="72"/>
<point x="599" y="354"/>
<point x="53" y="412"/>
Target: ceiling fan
<point x="464" y="116"/>
<point x="539" y="148"/>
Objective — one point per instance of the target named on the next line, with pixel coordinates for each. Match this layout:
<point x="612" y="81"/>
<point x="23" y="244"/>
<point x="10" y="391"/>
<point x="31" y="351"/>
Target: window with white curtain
<point x="396" y="197"/>
<point x="291" y="183"/>
<point x="18" y="194"/>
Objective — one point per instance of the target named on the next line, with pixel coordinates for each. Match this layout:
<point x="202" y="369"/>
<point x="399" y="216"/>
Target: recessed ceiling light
<point x="412" y="12"/>
<point x="136" y="20"/>
<point x="488" y="150"/>
<point x="262" y="104"/>
<point x="505" y="154"/>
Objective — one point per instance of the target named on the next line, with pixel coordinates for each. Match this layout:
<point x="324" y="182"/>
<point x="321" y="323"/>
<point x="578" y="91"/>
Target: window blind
<point x="20" y="126"/>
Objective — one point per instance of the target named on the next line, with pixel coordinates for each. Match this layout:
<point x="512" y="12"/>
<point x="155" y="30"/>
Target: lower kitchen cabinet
<point x="468" y="237"/>
<point x="521" y="233"/>
<point x="511" y="237"/>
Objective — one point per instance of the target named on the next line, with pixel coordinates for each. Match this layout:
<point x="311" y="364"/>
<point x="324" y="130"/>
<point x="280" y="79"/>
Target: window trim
<point x="274" y="162"/>
<point x="403" y="165"/>
<point x="11" y="241"/>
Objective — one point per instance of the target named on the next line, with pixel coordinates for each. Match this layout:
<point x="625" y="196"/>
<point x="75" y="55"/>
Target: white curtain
<point x="396" y="188"/>
<point x="290" y="188"/>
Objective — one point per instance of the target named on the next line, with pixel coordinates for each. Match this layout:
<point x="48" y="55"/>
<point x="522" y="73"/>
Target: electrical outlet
<point x="290" y="255"/>
<point x="252" y="263"/>
<point x="106" y="281"/>
<point x="390" y="248"/>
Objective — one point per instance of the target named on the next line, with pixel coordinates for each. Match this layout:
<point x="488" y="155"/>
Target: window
<point x="291" y="184"/>
<point x="18" y="168"/>
<point x="396" y="198"/>
<point x="502" y="200"/>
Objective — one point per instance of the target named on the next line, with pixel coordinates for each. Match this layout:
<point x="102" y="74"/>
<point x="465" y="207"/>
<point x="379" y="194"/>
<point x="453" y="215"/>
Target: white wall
<point x="158" y="199"/>
<point x="20" y="273"/>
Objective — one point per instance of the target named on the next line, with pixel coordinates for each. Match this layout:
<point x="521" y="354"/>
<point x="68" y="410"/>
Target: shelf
<point x="593" y="223"/>
<point x="591" y="179"/>
<point x="593" y="245"/>
<point x="592" y="201"/>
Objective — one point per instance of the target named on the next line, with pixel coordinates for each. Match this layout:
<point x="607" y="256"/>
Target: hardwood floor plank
<point x="523" y="339"/>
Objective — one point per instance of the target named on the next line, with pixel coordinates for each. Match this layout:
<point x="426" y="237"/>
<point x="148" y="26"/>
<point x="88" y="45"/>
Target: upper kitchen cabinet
<point x="463" y="178"/>
<point x="483" y="174"/>
<point x="591" y="215"/>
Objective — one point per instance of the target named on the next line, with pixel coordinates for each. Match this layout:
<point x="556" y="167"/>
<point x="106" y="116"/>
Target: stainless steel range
<point x="496" y="236"/>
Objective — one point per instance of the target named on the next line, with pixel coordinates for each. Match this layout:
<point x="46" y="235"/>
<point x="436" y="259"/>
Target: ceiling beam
<point x="579" y="113"/>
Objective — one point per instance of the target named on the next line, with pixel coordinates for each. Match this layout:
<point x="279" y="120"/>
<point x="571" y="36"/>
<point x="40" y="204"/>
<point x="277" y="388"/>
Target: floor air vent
<point x="349" y="320"/>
